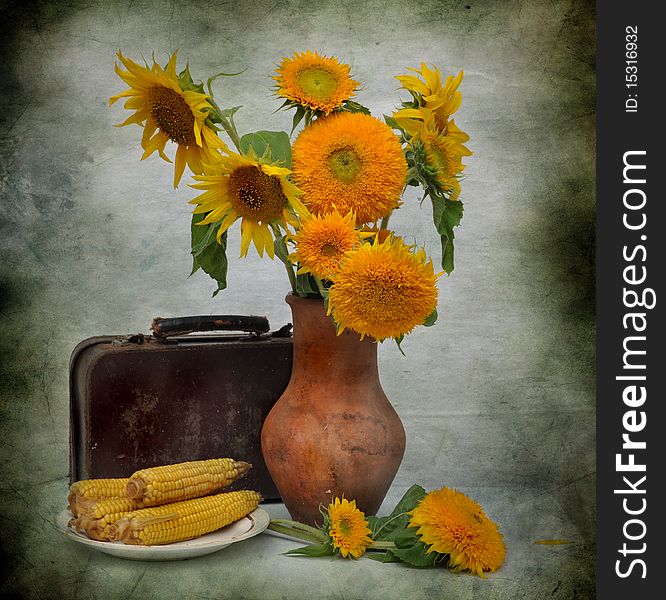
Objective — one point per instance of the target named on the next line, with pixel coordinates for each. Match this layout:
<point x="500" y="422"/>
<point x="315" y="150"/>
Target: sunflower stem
<point x="297" y="530"/>
<point x="385" y="220"/>
<point x="381" y="546"/>
<point x="287" y="264"/>
<point x="230" y="129"/>
<point x="292" y="277"/>
<point x="228" y="126"/>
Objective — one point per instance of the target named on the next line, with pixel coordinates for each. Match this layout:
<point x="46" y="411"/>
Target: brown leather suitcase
<point x="139" y="401"/>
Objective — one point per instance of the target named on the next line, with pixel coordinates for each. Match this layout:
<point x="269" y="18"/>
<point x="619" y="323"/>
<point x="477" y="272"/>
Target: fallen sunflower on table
<point x="443" y="527"/>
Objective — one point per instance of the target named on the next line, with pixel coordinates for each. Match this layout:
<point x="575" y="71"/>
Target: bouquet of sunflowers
<point x="320" y="197"/>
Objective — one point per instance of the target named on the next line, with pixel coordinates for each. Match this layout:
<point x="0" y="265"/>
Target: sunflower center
<point x="345" y="527"/>
<point x="330" y="249"/>
<point x="172" y="114"/>
<point x="437" y="157"/>
<point x="255" y="195"/>
<point x="318" y="83"/>
<point x="345" y="164"/>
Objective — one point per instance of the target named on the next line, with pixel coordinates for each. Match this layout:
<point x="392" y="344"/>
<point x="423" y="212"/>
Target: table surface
<point x="258" y="568"/>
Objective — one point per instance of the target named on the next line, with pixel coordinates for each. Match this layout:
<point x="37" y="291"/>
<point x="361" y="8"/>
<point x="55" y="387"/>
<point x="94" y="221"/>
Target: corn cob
<point x="183" y="520"/>
<point x="85" y="491"/>
<point x="184" y="481"/>
<point x="97" y="518"/>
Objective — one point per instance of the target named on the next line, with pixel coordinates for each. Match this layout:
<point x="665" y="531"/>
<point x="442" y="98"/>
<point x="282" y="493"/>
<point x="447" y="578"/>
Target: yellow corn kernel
<point x="98" y="516"/>
<point x="85" y="491"/>
<point x="183" y="520"/>
<point x="184" y="481"/>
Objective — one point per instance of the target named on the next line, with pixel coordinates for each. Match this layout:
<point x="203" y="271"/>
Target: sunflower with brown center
<point x="347" y="528"/>
<point x="383" y="290"/>
<point x="352" y="162"/>
<point x="315" y="82"/>
<point x="322" y="243"/>
<point x="241" y="187"/>
<point x="451" y="523"/>
<point x="168" y="113"/>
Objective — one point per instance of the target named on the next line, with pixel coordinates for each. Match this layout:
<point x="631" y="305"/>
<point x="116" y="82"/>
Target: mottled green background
<point x="497" y="399"/>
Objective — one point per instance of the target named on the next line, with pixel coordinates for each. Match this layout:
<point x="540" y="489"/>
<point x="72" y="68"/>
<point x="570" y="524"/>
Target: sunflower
<point x="322" y="243"/>
<point x="443" y="150"/>
<point x="241" y="187"/>
<point x="383" y="290"/>
<point x="167" y="112"/>
<point x="350" y="161"/>
<point x="315" y="82"/>
<point x="443" y="100"/>
<point x="451" y="523"/>
<point x="347" y="528"/>
<point x="444" y="156"/>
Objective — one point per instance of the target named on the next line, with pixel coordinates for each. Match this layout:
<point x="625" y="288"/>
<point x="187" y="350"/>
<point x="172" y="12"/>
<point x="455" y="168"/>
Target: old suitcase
<point x="139" y="401"/>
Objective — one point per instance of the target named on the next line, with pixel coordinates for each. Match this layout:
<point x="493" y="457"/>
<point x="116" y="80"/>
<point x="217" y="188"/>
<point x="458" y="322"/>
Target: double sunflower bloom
<point x="329" y="194"/>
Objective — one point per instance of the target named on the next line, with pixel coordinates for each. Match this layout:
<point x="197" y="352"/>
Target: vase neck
<point x="319" y="353"/>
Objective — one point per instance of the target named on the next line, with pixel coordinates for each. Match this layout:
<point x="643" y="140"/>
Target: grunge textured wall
<point x="497" y="398"/>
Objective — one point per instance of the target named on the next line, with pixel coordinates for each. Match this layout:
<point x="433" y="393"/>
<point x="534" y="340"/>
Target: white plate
<point x="247" y="527"/>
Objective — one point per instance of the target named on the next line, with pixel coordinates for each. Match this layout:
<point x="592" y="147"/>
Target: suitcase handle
<point x="163" y="328"/>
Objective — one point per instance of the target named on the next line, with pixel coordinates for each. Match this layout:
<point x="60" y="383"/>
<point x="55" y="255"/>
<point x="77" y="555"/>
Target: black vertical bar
<point x="630" y="245"/>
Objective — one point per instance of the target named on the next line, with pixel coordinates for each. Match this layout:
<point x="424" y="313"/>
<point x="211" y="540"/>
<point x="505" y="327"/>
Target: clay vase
<point x="333" y="432"/>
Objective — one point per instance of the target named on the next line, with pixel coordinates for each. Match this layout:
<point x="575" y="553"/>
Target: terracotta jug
<point x="333" y="431"/>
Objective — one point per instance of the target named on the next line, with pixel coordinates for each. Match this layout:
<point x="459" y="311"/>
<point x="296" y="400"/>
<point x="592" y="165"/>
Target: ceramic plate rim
<point x="259" y="520"/>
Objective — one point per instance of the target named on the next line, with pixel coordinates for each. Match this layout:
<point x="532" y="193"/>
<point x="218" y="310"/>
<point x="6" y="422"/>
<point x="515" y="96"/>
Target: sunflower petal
<point x="179" y="166"/>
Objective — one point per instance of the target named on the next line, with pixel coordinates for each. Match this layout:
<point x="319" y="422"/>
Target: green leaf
<point x="219" y="115"/>
<point x="203" y="236"/>
<point x="280" y="245"/>
<point x="386" y="528"/>
<point x="398" y="342"/>
<point x="275" y="144"/>
<point x="384" y="557"/>
<point x="391" y="122"/>
<point x="305" y="286"/>
<point x="431" y="319"/>
<point x="326" y="297"/>
<point x="207" y="253"/>
<point x="446" y="215"/>
<point x="313" y="550"/>
<point x="228" y="113"/>
<point x="354" y="107"/>
<point x="187" y="83"/>
<point x="416" y="555"/>
<point x="298" y="117"/>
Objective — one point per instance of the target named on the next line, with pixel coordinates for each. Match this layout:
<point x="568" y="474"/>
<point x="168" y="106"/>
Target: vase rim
<point x="292" y="298"/>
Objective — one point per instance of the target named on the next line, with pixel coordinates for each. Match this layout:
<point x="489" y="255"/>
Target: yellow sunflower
<point x="444" y="156"/>
<point x="316" y="82"/>
<point x="240" y="187"/>
<point x="451" y="523"/>
<point x="444" y="150"/>
<point x="322" y="243"/>
<point x="350" y="161"/>
<point x="167" y="113"/>
<point x="443" y="100"/>
<point x="383" y="290"/>
<point x="348" y="529"/>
